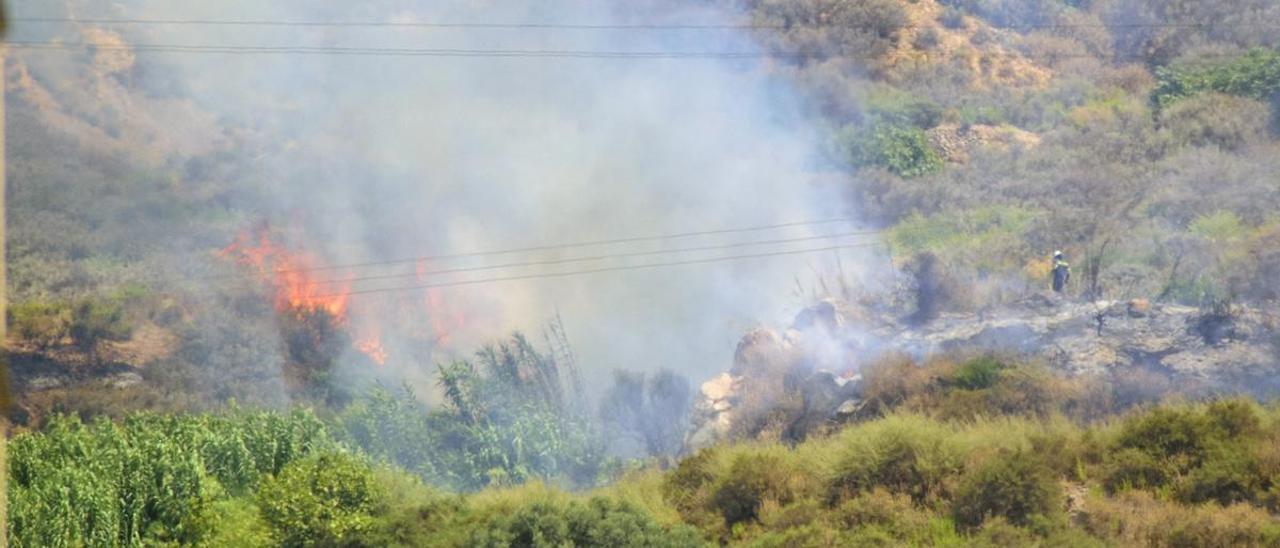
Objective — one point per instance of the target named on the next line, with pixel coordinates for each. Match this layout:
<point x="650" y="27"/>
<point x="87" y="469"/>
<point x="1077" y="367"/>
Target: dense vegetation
<point x="985" y="134"/>
<point x="1169" y="475"/>
<point x="981" y="135"/>
<point x="1140" y="136"/>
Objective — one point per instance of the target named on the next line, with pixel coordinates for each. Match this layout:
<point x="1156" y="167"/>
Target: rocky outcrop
<point x="811" y="369"/>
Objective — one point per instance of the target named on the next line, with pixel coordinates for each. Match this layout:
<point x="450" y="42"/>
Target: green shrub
<point x="903" y="150"/>
<point x="1255" y="75"/>
<point x="599" y="522"/>
<point x="320" y="500"/>
<point x="1168" y="433"/>
<point x="691" y="476"/>
<point x="752" y="479"/>
<point x="148" y="480"/>
<point x="1015" y="486"/>
<point x="42" y="323"/>
<point x="911" y="456"/>
<point x="1132" y="468"/>
<point x="977" y="373"/>
<point x="95" y="320"/>
<point x="1229" y="474"/>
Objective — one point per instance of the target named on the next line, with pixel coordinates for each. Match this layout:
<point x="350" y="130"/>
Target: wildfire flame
<point x="301" y="283"/>
<point x="293" y="278"/>
<point x="291" y="275"/>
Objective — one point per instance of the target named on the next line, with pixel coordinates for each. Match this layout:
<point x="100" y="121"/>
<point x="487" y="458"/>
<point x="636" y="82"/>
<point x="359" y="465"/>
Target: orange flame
<point x="291" y="275"/>
<point x="298" y="286"/>
<point x="372" y="347"/>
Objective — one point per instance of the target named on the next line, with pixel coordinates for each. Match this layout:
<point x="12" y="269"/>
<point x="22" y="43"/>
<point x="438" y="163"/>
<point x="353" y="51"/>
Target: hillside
<point x="378" y="273"/>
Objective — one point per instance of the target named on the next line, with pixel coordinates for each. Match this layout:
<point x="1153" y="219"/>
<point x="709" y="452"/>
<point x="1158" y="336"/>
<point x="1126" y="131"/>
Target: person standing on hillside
<point x="1061" y="272"/>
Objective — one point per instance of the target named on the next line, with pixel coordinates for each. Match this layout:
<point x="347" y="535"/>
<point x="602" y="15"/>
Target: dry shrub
<point x="1134" y="79"/>
<point x="1136" y="518"/>
<point x="893" y="512"/>
<point x="895" y="379"/>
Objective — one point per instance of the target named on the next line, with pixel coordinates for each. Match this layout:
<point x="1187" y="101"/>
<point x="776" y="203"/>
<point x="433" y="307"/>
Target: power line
<point x="412" y="52"/>
<point x="598" y="270"/>
<point x="394" y="24"/>
<point x="524" y="53"/>
<point x="591" y="258"/>
<point x="552" y="247"/>
<point x="596" y="26"/>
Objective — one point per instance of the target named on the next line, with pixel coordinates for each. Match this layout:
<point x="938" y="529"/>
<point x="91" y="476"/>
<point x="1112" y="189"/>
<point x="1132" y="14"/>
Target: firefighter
<point x="1061" y="272"/>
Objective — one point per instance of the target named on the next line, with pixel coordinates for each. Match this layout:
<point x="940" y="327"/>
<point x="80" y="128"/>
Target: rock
<point x="719" y="388"/>
<point x="45" y="383"/>
<point x="760" y="353"/>
<point x="124" y="380"/>
<point x="808" y="373"/>
<point x="848" y="409"/>
<point x="824" y="314"/>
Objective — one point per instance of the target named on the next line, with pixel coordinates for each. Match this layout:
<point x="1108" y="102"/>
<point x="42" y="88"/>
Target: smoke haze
<point x="369" y="158"/>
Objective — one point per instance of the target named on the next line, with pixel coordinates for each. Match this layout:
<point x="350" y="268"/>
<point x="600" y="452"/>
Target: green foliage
<point x="903" y="150"/>
<point x="1222" y="227"/>
<point x="895" y="107"/>
<point x="515" y="415"/>
<point x="319" y="501"/>
<point x="751" y="480"/>
<point x="1200" y="454"/>
<point x="982" y="237"/>
<point x="43" y="323"/>
<point x="96" y="320"/>
<point x="597" y="522"/>
<point x="1255" y="75"/>
<point x="150" y="479"/>
<point x="907" y="456"/>
<point x="1016" y="486"/>
<point x="978" y="373"/>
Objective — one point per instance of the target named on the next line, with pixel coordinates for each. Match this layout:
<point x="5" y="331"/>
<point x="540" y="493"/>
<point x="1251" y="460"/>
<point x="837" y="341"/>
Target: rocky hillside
<point x="814" y="367"/>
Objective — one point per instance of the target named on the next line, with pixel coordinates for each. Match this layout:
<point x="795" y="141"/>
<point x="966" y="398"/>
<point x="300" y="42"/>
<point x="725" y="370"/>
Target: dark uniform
<point x="1061" y="273"/>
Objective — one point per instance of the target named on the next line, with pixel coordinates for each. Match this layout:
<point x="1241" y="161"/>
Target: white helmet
<point x="1057" y="253"/>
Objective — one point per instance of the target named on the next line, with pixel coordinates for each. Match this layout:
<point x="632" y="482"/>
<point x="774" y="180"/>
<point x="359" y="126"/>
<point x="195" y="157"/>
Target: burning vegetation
<point x="307" y="290"/>
<point x="973" y="137"/>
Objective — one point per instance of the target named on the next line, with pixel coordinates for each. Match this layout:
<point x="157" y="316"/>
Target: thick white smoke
<point x="381" y="157"/>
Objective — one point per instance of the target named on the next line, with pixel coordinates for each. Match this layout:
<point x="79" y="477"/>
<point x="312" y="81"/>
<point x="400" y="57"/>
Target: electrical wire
<point x="569" y="260"/>
<point x="562" y="246"/>
<point x="596" y="270"/>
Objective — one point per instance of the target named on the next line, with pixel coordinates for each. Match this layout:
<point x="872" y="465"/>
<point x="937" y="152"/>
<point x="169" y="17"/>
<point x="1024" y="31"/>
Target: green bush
<point x="42" y="323"/>
<point x="319" y="501"/>
<point x="977" y="373"/>
<point x="1254" y="75"/>
<point x="94" y="320"/>
<point x="751" y="480"/>
<point x="1016" y="486"/>
<point x="599" y="522"/>
<point x="907" y="455"/>
<point x="150" y="479"/>
<point x="903" y="150"/>
<point x="1132" y="468"/>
